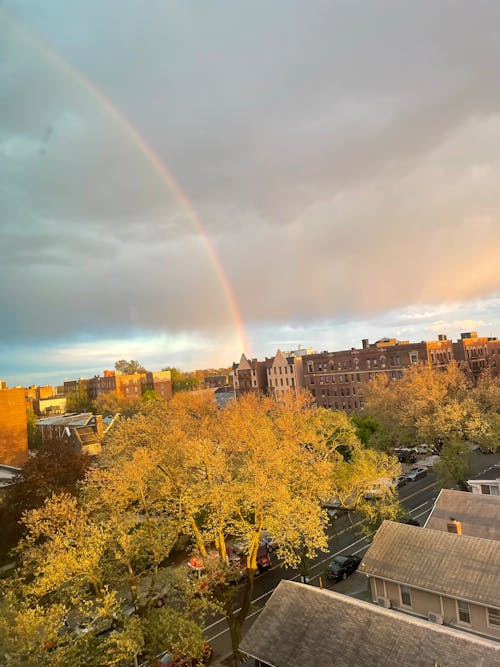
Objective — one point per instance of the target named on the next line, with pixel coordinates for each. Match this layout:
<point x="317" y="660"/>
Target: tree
<point x="184" y="467"/>
<point x="57" y="467"/>
<point x="78" y="401"/>
<point x="455" y="464"/>
<point x="92" y="559"/>
<point x="425" y="405"/>
<point x="365" y="425"/>
<point x="129" y="367"/>
<point x="34" y="435"/>
<point x="112" y="404"/>
<point x="182" y="381"/>
<point x="255" y="466"/>
<point x="487" y="395"/>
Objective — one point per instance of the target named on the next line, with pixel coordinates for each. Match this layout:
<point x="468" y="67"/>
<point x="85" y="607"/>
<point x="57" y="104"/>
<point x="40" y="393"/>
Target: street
<point x="417" y="497"/>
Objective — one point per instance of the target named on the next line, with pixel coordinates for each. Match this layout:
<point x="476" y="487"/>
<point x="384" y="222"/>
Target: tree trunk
<point x="236" y="620"/>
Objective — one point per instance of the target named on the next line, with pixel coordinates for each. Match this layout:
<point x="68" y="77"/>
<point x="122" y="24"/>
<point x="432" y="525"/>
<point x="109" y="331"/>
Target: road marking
<point x="417" y="508"/>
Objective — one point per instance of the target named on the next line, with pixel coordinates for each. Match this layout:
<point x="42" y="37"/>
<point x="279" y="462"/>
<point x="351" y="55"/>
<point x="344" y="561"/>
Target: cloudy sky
<point x="176" y="177"/>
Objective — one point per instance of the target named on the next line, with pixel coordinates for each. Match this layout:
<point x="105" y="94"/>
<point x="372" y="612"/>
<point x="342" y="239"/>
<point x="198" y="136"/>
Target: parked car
<point x="382" y="487"/>
<point x="167" y="659"/>
<point x="267" y="539"/>
<point x="416" y="473"/>
<point x="400" y="481"/>
<point x="341" y="566"/>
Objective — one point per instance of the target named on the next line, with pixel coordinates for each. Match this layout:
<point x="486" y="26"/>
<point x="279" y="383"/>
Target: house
<point x="441" y="576"/>
<point x="305" y="626"/>
<point x="472" y="514"/>
<point x="487" y="483"/>
<point x="85" y="430"/>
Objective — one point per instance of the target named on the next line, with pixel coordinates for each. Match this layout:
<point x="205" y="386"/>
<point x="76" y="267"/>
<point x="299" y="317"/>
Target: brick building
<point x="337" y="379"/>
<point x="283" y="374"/>
<point x="250" y="376"/>
<point x="124" y="385"/>
<point x="471" y="351"/>
<point x="13" y="427"/>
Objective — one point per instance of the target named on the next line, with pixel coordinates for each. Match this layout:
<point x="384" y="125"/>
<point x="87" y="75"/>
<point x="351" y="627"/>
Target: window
<point x="494" y="617"/>
<point x="310" y="367"/>
<point x="463" y="611"/>
<point x="312" y="380"/>
<point x="489" y="489"/>
<point x="405" y="595"/>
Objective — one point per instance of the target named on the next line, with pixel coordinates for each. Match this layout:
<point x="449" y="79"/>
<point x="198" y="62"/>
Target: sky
<point x="184" y="181"/>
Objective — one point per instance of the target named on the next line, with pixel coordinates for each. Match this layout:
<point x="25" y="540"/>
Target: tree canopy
<point x="129" y="367"/>
<point x="183" y="381"/>
<point x="430" y="406"/>
<point x="183" y="468"/>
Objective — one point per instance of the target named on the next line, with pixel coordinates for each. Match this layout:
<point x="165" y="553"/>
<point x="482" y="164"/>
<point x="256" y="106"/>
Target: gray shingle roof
<point x="491" y="474"/>
<point x="479" y="514"/>
<point x="459" y="566"/>
<point x="304" y="626"/>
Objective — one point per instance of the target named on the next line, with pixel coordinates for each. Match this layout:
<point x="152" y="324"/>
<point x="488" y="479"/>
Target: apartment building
<point x="472" y="351"/>
<point x="250" y="376"/>
<point x="445" y="577"/>
<point x="337" y="379"/>
<point x="284" y="373"/>
<point x="124" y="385"/>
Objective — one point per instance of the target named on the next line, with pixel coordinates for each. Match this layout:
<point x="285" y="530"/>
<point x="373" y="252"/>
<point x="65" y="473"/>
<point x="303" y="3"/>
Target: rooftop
<point x="492" y="474"/>
<point x="459" y="566"/>
<point x="305" y="626"/>
<point x="479" y="514"/>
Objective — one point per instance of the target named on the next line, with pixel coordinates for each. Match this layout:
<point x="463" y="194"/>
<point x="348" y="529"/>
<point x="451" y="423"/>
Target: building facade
<point x="446" y="577"/>
<point x="13" y="427"/>
<point x="284" y="374"/>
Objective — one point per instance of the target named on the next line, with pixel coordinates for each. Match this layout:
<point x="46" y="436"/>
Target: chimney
<point x="442" y="337"/>
<point x="454" y="526"/>
<point x="365" y="343"/>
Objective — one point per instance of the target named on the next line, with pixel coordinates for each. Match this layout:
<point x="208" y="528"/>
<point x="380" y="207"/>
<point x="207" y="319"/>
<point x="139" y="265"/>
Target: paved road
<point x="417" y="497"/>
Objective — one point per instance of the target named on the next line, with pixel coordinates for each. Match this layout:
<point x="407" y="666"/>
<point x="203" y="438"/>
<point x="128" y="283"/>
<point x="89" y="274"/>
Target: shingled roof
<point x="305" y="626"/>
<point x="479" y="514"/>
<point x="458" y="566"/>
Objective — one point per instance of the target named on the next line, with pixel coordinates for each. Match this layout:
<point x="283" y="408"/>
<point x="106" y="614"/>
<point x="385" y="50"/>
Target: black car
<point x="341" y="566"/>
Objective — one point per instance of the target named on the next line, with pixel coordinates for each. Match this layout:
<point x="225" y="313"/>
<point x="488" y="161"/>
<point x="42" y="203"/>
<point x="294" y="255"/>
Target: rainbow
<point x="152" y="158"/>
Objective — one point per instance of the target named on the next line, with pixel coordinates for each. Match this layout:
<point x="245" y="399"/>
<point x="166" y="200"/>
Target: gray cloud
<point x="343" y="157"/>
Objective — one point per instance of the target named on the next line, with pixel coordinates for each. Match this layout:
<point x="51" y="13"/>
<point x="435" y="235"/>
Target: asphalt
<point x="417" y="497"/>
